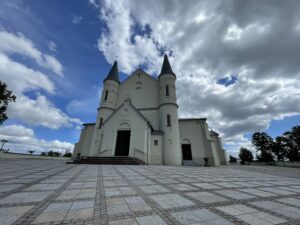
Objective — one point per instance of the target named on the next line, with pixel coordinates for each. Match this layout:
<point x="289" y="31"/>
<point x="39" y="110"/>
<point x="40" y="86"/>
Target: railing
<point x="105" y="150"/>
<point x="140" y="152"/>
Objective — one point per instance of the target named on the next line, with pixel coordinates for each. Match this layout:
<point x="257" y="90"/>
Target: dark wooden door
<point x="123" y="141"/>
<point x="186" y="152"/>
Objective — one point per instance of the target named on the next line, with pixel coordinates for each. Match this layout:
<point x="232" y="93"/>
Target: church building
<point x="139" y="118"/>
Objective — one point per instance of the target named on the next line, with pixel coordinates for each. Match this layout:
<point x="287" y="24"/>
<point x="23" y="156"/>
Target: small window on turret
<point x="101" y="123"/>
<point x="106" y="95"/>
<point x="167" y="90"/>
<point x="168" y="120"/>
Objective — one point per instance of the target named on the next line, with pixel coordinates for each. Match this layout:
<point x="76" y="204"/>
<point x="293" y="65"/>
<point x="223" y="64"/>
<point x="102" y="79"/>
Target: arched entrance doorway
<point x="123" y="140"/>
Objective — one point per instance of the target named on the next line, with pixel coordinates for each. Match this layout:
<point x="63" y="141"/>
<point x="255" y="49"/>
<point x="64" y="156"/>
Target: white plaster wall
<point x="156" y="150"/>
<point x="215" y="152"/>
<point x="164" y="80"/>
<point x="97" y="134"/>
<point x="152" y="115"/>
<point x="76" y="150"/>
<point x="208" y="145"/>
<point x="142" y="91"/>
<point x="113" y="92"/>
<point x="87" y="136"/>
<point x="191" y="130"/>
<point x="139" y="132"/>
<point x="171" y="149"/>
<point x="78" y="145"/>
<point x="219" y="149"/>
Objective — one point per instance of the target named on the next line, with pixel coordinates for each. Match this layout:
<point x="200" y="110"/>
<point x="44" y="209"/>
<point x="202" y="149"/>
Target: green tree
<point x="67" y="154"/>
<point x="264" y="146"/>
<point x="43" y="154"/>
<point x="6" y="97"/>
<point x="291" y="143"/>
<point x="50" y="153"/>
<point x="280" y="148"/>
<point x="56" y="154"/>
<point x="245" y="155"/>
<point x="232" y="159"/>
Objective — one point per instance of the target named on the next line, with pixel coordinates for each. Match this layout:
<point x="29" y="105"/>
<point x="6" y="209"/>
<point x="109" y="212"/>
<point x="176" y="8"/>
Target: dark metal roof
<point x="113" y="73"/>
<point x="213" y="133"/>
<point x="88" y="124"/>
<point x="186" y="119"/>
<point x="166" y="67"/>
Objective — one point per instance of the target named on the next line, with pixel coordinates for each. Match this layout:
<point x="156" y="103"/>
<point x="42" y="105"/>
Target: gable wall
<point x="142" y="91"/>
<point x="139" y="132"/>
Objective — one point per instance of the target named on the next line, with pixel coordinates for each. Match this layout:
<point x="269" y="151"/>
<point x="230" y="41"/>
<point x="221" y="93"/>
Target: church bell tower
<point x="168" y="115"/>
<point x="108" y="104"/>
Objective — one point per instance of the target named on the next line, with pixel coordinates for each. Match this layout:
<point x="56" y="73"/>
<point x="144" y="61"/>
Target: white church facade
<point x="139" y="118"/>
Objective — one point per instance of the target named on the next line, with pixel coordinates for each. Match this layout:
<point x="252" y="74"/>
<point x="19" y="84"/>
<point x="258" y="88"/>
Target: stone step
<point x="117" y="160"/>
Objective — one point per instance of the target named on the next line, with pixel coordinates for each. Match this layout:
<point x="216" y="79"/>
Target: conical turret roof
<point x="113" y="73"/>
<point x="166" y="67"/>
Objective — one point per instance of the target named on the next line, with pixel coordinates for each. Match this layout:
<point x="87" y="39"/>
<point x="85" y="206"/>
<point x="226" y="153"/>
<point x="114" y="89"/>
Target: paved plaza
<point x="52" y="192"/>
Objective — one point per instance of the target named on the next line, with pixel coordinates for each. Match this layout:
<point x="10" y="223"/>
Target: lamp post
<point x="3" y="142"/>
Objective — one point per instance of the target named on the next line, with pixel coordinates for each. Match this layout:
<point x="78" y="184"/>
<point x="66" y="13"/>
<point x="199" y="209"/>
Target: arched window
<point x="167" y="90"/>
<point x="101" y="123"/>
<point x="106" y="95"/>
<point x="168" y="120"/>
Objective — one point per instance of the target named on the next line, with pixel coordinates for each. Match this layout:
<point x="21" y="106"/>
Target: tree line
<point x="57" y="154"/>
<point x="281" y="148"/>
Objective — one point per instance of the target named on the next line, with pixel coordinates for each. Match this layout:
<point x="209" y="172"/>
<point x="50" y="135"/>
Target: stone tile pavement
<point x="44" y="192"/>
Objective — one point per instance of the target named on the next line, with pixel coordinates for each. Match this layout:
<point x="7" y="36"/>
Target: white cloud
<point x="76" y="19"/>
<point x="211" y="40"/>
<point x="52" y="46"/>
<point x="17" y="43"/>
<point x="22" y="139"/>
<point x="40" y="111"/>
<point x="21" y="79"/>
<point x="94" y="3"/>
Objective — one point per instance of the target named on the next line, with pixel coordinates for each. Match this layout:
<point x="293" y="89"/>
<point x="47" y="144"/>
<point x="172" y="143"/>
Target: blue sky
<point x="233" y="78"/>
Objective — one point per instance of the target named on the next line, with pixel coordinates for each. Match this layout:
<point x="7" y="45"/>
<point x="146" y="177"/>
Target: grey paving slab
<point x="206" y="197"/>
<point x="168" y="201"/>
<point x="250" y="215"/>
<point x="235" y="194"/>
<point x="47" y="192"/>
<point x="199" y="216"/>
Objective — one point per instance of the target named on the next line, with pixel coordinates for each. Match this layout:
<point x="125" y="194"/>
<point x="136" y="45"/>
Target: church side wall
<point x="86" y="140"/>
<point x="215" y="152"/>
<point x="208" y="145"/>
<point x="220" y="151"/>
<point x="191" y="132"/>
<point x="76" y="150"/>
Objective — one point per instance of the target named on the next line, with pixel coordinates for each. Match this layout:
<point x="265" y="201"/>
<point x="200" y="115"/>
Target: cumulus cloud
<point x="17" y="43"/>
<point x="255" y="41"/>
<point x="21" y="79"/>
<point x="23" y="139"/>
<point x="40" y="111"/>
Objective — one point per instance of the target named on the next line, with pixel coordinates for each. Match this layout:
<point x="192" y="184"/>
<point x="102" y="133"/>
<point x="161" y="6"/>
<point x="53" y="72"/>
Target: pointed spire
<point x="166" y="67"/>
<point x="113" y="73"/>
